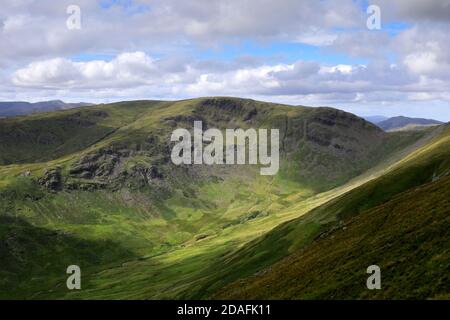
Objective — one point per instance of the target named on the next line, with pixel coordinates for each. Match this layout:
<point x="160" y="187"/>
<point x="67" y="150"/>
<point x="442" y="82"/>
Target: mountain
<point x="322" y="140"/>
<point x="95" y="187"/>
<point x="16" y="108"/>
<point x="376" y="119"/>
<point x="405" y="123"/>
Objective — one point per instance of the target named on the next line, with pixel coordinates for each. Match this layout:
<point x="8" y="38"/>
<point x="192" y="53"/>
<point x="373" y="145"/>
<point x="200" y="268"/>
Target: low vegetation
<point x="102" y="193"/>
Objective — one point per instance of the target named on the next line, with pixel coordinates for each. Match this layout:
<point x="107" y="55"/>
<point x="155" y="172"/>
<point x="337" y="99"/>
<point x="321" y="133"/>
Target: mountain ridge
<point x="20" y="108"/>
<point x="403" y="123"/>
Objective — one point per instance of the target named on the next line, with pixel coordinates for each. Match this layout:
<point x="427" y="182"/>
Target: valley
<point x="94" y="186"/>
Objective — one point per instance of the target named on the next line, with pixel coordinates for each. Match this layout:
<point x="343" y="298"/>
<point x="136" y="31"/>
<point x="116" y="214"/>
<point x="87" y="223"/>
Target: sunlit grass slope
<point x="399" y="221"/>
<point x="407" y="237"/>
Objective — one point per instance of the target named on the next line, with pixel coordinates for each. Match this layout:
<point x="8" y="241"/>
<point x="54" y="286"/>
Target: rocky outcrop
<point x="52" y="179"/>
<point x="98" y="165"/>
<point x="136" y="165"/>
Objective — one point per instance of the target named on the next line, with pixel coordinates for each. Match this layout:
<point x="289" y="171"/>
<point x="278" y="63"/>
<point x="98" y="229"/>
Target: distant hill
<point x="375" y="119"/>
<point x="18" y="108"/>
<point x="404" y="123"/>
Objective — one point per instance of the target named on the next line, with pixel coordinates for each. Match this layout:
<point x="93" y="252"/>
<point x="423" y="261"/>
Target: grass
<point x="398" y="221"/>
<point x="407" y="237"/>
<point x="28" y="250"/>
<point x="172" y="244"/>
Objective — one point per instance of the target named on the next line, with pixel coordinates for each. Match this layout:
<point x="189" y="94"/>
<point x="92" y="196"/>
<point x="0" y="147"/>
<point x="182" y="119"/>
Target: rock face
<point x="135" y="165"/>
<point x="230" y="110"/>
<point x="98" y="164"/>
<point x="52" y="179"/>
<point x="322" y="145"/>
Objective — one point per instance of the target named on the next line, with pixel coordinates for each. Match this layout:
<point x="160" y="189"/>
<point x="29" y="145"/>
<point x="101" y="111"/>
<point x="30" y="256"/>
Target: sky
<point x="299" y="52"/>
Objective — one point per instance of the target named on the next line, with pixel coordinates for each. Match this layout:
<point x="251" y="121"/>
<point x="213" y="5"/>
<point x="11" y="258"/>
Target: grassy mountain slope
<point x="407" y="237"/>
<point x="45" y="255"/>
<point x="107" y="178"/>
<point x="48" y="136"/>
<point x="399" y="216"/>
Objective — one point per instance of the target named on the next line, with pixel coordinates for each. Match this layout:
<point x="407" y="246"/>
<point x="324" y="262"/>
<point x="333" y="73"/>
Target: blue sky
<point x="300" y="52"/>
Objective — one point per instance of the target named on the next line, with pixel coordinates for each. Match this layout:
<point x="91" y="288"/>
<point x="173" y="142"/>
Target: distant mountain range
<point x="375" y="119"/>
<point x="401" y="122"/>
<point x="17" y="108"/>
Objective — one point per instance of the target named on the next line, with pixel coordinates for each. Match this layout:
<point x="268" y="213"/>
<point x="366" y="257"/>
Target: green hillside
<point x="399" y="222"/>
<point x="48" y="136"/>
<point x="407" y="237"/>
<point x="95" y="186"/>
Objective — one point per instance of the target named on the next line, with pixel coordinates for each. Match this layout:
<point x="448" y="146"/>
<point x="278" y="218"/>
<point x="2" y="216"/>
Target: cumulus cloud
<point x="425" y="50"/>
<point x="155" y="48"/>
<point x="137" y="71"/>
<point x="165" y="24"/>
<point x="415" y="10"/>
<point x="126" y="70"/>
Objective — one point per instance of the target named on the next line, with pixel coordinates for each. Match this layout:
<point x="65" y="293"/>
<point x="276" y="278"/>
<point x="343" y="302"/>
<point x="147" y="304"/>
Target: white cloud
<point x="415" y="10"/>
<point x="156" y="47"/>
<point x="136" y="73"/>
<point x="422" y="62"/>
<point x="316" y="37"/>
<point x="126" y="70"/>
<point x="37" y="28"/>
<point x="342" y="68"/>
